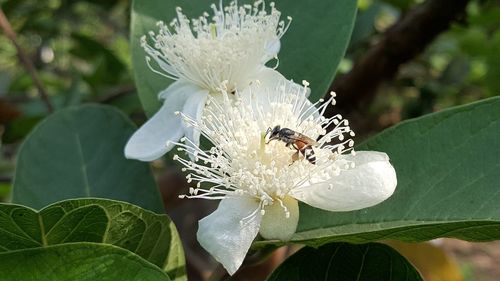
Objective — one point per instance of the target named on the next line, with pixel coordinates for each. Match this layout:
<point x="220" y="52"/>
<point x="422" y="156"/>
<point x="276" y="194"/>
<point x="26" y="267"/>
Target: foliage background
<point x="81" y="52"/>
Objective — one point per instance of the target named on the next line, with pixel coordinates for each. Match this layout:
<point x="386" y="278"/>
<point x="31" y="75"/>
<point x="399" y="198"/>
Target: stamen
<point x="242" y="164"/>
<point x="244" y="221"/>
<point x="235" y="42"/>
<point x="285" y="209"/>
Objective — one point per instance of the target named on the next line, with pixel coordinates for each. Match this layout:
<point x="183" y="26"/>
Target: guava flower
<point x="231" y="45"/>
<point x="260" y="181"/>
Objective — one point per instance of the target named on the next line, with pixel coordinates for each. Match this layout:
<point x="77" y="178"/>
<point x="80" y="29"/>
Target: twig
<point x="5" y="179"/>
<point x="219" y="274"/>
<point x="399" y="44"/>
<point x="117" y="92"/>
<point x="253" y="259"/>
<point x="28" y="64"/>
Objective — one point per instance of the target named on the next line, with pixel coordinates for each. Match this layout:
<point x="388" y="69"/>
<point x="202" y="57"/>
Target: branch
<point x="117" y="92"/>
<point x="5" y="179"/>
<point x="399" y="44"/>
<point x="28" y="64"/>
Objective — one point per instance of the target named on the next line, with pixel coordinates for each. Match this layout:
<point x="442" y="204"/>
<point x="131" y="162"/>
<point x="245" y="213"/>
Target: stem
<point x="220" y="274"/>
<point x="28" y="64"/>
<point x="402" y="42"/>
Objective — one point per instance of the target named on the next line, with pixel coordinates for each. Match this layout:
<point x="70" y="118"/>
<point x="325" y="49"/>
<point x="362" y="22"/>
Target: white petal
<point x="275" y="225"/>
<point x="149" y="142"/>
<point x="194" y="109"/>
<point x="272" y="50"/>
<point x="222" y="234"/>
<point x="177" y="87"/>
<point x="257" y="93"/>
<point x="270" y="78"/>
<point x="372" y="181"/>
<point x="271" y="82"/>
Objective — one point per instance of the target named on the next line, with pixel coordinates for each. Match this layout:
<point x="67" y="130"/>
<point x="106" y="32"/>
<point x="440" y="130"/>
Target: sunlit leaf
<point x="431" y="261"/>
<point x="78" y="261"/>
<point x="151" y="236"/>
<point x="447" y="168"/>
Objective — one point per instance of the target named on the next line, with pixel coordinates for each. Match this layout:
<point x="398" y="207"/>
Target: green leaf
<point x="311" y="49"/>
<point x="144" y="16"/>
<point x="78" y="152"/>
<point x="79" y="261"/>
<point x="448" y="183"/>
<point x="316" y="41"/>
<point x="151" y="236"/>
<point x="342" y="262"/>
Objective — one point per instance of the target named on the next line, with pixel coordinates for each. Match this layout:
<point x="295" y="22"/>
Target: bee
<point x="302" y="143"/>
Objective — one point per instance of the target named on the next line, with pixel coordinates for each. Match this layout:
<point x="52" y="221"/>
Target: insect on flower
<point x="258" y="188"/>
<point x="303" y="144"/>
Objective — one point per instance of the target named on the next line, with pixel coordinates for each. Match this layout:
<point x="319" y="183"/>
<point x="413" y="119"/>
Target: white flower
<point x="233" y="45"/>
<point x="257" y="180"/>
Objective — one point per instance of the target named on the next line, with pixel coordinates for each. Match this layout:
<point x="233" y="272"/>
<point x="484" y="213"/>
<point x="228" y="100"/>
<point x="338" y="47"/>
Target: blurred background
<point x="80" y="53"/>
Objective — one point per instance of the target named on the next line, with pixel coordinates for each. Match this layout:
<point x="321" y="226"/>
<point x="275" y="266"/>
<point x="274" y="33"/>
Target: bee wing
<point x="304" y="139"/>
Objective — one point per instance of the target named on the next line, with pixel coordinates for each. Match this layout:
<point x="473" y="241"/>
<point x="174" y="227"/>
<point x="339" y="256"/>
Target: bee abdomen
<point x="309" y="155"/>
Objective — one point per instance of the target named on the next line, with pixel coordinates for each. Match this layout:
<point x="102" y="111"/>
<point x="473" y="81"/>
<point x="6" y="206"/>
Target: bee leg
<point x="294" y="146"/>
<point x="295" y="157"/>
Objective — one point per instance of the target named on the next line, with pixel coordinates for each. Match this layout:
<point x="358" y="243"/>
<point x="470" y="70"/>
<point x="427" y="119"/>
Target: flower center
<point x="244" y="162"/>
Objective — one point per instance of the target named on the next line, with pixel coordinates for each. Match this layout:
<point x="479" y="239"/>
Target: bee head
<point x="273" y="133"/>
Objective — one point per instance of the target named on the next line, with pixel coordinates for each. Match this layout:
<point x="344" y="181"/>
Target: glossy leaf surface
<point x="78" y="152"/>
<point x="150" y="236"/>
<point x="79" y="261"/>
